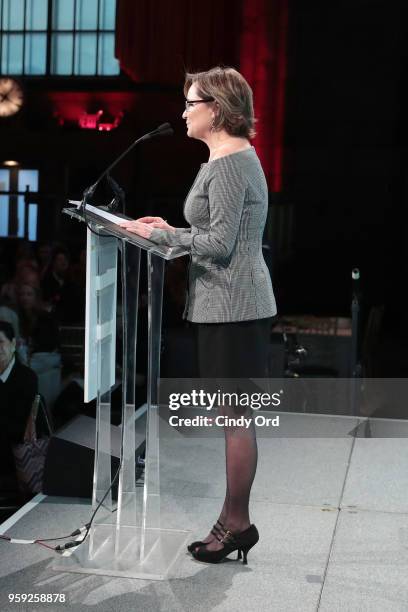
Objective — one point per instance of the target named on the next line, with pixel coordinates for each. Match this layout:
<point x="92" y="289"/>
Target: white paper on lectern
<point x="105" y="285"/>
<point x="98" y="211"/>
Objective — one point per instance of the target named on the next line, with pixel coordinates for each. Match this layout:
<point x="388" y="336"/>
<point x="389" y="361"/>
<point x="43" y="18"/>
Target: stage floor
<point x="332" y="514"/>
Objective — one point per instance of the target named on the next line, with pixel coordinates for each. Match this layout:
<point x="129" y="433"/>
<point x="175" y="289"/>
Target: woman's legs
<point x="241" y="461"/>
<point x="224" y="510"/>
<point x="235" y="350"/>
<point x="241" y="457"/>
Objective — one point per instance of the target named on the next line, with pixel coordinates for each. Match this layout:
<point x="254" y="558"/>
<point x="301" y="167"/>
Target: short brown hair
<point x="233" y="95"/>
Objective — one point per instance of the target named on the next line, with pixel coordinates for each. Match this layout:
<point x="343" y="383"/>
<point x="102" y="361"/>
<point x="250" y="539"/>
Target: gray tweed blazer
<point x="226" y="208"/>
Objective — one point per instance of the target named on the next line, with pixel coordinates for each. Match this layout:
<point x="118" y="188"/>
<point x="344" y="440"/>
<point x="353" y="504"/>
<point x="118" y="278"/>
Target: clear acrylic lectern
<point x="126" y="539"/>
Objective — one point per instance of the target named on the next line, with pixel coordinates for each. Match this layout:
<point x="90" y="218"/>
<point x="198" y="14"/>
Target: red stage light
<point x="80" y="108"/>
<point x="89" y="121"/>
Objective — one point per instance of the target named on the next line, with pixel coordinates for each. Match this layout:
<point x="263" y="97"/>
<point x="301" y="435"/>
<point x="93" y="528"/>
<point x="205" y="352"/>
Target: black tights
<point x="236" y="350"/>
<point x="241" y="457"/>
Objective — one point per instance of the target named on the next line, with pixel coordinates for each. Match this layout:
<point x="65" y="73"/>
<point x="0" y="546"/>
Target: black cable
<point x="87" y="526"/>
<point x="71" y="535"/>
<point x="78" y="542"/>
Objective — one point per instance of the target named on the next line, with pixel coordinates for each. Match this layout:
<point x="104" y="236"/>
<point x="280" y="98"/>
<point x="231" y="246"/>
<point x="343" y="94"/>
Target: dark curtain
<point x="158" y="40"/>
<point x="263" y="60"/>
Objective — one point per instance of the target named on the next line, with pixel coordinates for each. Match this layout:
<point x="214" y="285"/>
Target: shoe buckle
<point x="228" y="538"/>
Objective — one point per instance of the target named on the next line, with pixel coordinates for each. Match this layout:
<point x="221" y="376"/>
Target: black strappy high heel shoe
<point x="242" y="542"/>
<point x="198" y="543"/>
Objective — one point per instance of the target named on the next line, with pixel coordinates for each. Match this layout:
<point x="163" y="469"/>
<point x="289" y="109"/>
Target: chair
<point x="30" y="453"/>
<point x="11" y="498"/>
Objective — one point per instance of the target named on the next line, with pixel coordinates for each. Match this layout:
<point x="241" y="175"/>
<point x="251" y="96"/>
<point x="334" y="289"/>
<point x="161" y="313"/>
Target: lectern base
<point x="97" y="554"/>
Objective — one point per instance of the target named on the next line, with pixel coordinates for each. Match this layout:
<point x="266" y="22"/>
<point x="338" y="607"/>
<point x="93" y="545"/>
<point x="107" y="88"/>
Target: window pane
<point x="20" y="216"/>
<point x="107" y="63"/>
<point x="107" y="12"/>
<point x="12" y="54"/>
<point x="35" y="54"/>
<point x="63" y="14"/>
<point x="4" y="202"/>
<point x="86" y="15"/>
<point x="32" y="221"/>
<point x="13" y="14"/>
<point x="61" y="53"/>
<point x="85" y="54"/>
<point x="4" y="180"/>
<point x="36" y="16"/>
<point x="4" y="215"/>
<point x="28" y="178"/>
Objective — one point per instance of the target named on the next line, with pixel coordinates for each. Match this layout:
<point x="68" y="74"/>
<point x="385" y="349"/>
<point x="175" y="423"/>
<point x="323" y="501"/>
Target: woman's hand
<point x="157" y="222"/>
<point x="137" y="227"/>
<point x="145" y="225"/>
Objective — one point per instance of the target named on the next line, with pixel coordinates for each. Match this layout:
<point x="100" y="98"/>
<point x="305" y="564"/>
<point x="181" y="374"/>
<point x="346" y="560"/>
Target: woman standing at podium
<point x="230" y="298"/>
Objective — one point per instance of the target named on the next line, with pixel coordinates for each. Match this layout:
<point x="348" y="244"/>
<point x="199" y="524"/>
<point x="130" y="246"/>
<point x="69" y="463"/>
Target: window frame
<point x="17" y="200"/>
<point x="50" y="32"/>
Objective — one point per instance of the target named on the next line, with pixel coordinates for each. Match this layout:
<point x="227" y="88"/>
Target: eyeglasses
<point x="190" y="103"/>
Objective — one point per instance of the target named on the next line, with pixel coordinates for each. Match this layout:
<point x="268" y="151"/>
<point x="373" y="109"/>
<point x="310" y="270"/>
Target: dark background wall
<point x="346" y="152"/>
<point x="345" y="155"/>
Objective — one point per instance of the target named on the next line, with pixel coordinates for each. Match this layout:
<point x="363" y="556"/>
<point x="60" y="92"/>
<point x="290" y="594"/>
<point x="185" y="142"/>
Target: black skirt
<point x="233" y="350"/>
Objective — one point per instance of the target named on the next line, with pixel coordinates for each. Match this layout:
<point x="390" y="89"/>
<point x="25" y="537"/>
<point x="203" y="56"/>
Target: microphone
<point x="163" y="130"/>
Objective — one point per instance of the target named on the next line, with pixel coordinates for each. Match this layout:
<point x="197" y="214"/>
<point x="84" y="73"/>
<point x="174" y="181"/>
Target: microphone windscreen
<point x="163" y="127"/>
<point x="165" y="130"/>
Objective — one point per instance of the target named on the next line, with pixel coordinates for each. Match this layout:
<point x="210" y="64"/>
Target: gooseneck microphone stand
<point x="163" y="130"/>
<point x="119" y="196"/>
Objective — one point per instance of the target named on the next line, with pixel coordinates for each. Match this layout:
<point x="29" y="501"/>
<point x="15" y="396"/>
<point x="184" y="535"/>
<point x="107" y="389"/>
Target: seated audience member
<point x="44" y="254"/>
<point x="26" y="271"/>
<point x="38" y="328"/>
<point x="9" y="315"/>
<point x="59" y="290"/>
<point x="55" y="277"/>
<point x="18" y="387"/>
